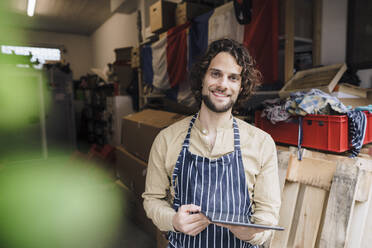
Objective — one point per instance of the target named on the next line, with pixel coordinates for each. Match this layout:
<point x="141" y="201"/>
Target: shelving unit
<point x="95" y="118"/>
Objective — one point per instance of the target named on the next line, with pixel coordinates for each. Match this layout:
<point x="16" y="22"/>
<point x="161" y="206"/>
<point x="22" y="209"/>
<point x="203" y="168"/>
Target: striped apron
<point x="219" y="187"/>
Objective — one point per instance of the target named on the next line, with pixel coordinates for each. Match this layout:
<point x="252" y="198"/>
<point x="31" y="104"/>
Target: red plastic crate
<point x="368" y="138"/>
<point x="323" y="132"/>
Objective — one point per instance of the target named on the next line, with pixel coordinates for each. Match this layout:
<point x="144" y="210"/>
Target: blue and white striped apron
<point x="219" y="187"/>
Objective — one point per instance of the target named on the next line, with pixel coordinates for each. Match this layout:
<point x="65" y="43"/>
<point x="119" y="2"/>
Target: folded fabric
<point x="275" y="110"/>
<point x="314" y="102"/>
<point x="357" y="130"/>
<point x="365" y="108"/>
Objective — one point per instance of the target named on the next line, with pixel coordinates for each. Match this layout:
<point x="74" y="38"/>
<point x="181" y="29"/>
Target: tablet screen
<point x="277" y="228"/>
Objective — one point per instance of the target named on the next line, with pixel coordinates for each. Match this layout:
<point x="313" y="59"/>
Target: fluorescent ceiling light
<point x="31" y="7"/>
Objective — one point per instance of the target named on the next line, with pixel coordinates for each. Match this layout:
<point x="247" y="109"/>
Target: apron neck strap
<point x="186" y="142"/>
<point x="236" y="135"/>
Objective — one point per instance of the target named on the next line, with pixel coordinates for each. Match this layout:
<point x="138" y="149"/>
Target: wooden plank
<point x="355" y="102"/>
<point x="311" y="171"/>
<point x="365" y="164"/>
<point x="364" y="186"/>
<point x="358" y="222"/>
<point x="309" y="217"/>
<point x="367" y="235"/>
<point x="313" y="78"/>
<point x="287" y="211"/>
<point x="317" y="31"/>
<point x="289" y="40"/>
<point x="321" y="155"/>
<point x="352" y="90"/>
<point x="340" y="205"/>
<point x="357" y="231"/>
<point x="283" y="159"/>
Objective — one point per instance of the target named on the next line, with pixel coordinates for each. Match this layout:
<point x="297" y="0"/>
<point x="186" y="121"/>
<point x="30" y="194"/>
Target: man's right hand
<point x="189" y="220"/>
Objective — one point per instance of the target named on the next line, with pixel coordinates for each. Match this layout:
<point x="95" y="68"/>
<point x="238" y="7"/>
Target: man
<point x="211" y="166"/>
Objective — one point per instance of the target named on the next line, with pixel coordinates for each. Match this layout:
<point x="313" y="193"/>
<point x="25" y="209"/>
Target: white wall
<point x="365" y="77"/>
<point x="118" y="31"/>
<point x="334" y="37"/>
<point x="78" y="48"/>
<point x="334" y="28"/>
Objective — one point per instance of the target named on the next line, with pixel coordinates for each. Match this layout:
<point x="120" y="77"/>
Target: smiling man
<point x="211" y="167"/>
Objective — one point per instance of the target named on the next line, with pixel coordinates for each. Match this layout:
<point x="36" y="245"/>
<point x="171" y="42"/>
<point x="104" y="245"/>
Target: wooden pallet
<point x="324" y="78"/>
<point x="326" y="201"/>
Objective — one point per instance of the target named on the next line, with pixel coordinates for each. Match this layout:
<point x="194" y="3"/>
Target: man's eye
<point x="234" y="78"/>
<point x="215" y="74"/>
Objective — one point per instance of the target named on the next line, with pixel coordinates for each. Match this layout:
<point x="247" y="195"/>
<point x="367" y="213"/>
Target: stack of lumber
<point x="326" y="200"/>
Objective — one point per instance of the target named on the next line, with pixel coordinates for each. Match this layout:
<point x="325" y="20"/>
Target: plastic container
<point x="368" y="137"/>
<point x="323" y="132"/>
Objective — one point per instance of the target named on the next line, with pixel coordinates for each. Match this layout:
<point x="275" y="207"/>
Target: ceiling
<point x="67" y="16"/>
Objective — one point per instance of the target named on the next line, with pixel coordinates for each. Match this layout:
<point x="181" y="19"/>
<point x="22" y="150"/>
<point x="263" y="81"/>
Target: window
<point x="40" y="54"/>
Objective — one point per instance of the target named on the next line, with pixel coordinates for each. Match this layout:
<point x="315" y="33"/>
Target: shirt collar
<point x="228" y="124"/>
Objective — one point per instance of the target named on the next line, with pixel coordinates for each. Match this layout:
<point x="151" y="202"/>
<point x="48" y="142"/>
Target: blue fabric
<point x="299" y="139"/>
<point x="365" y="108"/>
<point x="198" y="37"/>
<point x="357" y="131"/>
<point x="219" y="187"/>
<point x="146" y="62"/>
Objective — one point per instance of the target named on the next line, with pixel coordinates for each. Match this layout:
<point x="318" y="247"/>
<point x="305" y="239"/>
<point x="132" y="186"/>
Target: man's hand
<point x="242" y="232"/>
<point x="189" y="220"/>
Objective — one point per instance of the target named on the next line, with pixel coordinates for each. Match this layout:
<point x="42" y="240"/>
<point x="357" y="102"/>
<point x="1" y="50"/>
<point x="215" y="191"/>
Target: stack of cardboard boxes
<point x="138" y="133"/>
<point x="165" y="15"/>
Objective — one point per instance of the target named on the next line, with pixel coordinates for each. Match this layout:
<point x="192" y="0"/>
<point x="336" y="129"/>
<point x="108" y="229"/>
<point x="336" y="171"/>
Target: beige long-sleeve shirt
<point x="260" y="165"/>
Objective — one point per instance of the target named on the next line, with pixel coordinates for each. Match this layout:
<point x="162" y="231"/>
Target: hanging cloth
<point x="243" y="11"/>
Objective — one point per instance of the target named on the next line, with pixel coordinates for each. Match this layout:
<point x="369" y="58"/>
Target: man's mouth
<point x="219" y="93"/>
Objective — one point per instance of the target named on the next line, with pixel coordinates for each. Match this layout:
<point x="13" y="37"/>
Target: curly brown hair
<point x="250" y="75"/>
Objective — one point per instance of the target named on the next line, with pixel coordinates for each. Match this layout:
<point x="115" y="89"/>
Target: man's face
<point x="221" y="83"/>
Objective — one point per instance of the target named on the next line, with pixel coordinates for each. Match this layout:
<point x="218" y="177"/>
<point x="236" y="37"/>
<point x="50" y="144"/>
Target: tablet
<point x="277" y="228"/>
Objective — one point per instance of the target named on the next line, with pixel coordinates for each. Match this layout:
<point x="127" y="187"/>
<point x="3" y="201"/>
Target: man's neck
<point x="211" y="120"/>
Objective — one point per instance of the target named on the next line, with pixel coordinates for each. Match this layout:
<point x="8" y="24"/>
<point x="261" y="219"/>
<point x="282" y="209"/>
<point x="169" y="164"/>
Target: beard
<point x="217" y="109"/>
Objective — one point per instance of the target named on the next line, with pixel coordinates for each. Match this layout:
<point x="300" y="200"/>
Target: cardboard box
<point x="163" y="35"/>
<point x="135" y="211"/>
<point x="140" y="129"/>
<point x="142" y="221"/>
<point x="135" y="57"/>
<point x="162" y="16"/>
<point x="186" y="11"/>
<point x="124" y="74"/>
<point x="131" y="171"/>
<point x="123" y="54"/>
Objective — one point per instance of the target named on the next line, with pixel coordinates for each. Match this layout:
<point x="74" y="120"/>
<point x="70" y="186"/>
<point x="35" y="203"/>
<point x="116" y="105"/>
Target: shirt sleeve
<point x="266" y="193"/>
<point x="156" y="204"/>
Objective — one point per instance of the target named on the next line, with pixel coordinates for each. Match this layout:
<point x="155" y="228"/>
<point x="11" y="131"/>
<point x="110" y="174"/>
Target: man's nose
<point x="223" y="82"/>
